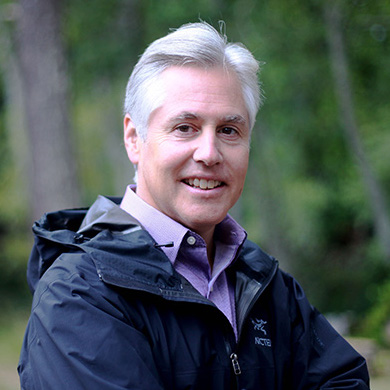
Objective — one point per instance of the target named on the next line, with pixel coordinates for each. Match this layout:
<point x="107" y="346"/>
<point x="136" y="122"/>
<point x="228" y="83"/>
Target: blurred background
<point x="317" y="193"/>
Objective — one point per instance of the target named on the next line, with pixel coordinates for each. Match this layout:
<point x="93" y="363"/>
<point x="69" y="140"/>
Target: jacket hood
<point x="89" y="230"/>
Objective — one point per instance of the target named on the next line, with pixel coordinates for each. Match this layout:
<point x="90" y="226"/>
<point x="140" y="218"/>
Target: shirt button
<point x="191" y="240"/>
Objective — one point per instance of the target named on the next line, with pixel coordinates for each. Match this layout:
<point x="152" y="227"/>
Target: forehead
<point x="192" y="91"/>
<point x="193" y="79"/>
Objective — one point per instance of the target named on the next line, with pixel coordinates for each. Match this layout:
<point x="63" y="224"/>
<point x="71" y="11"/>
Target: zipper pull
<point x="236" y="365"/>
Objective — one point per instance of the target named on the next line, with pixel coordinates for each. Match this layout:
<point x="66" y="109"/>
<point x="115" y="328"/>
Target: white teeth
<point x="203" y="183"/>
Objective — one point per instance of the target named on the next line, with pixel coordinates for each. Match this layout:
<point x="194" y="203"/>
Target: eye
<point x="228" y="131"/>
<point x="185" y="130"/>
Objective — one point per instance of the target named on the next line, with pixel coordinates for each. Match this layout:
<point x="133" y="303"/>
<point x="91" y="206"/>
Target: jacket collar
<point x="124" y="254"/>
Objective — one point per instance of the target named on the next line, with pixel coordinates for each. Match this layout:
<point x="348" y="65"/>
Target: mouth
<point x="203" y="184"/>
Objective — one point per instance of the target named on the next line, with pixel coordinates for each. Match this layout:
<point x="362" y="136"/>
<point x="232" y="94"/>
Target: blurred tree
<point x="43" y="68"/>
<point x="304" y="199"/>
<point x="343" y="90"/>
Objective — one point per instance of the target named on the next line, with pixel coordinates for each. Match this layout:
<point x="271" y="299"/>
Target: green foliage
<point x="15" y="247"/>
<point x="378" y="317"/>
<point x="304" y="199"/>
<point x="102" y="39"/>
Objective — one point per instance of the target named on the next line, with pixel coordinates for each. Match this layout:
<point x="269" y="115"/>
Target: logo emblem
<point x="259" y="325"/>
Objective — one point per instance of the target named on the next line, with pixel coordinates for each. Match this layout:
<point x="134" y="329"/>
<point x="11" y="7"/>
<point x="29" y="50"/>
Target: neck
<point x="211" y="254"/>
<point x="208" y="237"/>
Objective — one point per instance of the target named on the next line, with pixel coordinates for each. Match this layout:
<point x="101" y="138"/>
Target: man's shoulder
<point x="253" y="255"/>
<point x="68" y="268"/>
<point x="255" y="261"/>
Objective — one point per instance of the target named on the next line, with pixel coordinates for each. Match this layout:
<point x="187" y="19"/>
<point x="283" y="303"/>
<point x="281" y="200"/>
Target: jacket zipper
<point x="256" y="294"/>
<point x="236" y="364"/>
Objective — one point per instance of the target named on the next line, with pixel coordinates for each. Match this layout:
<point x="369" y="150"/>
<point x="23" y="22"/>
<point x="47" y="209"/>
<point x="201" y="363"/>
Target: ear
<point x="132" y="139"/>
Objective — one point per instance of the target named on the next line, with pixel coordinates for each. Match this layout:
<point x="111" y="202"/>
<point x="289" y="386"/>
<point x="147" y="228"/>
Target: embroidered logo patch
<point x="258" y="325"/>
<point x="263" y="342"/>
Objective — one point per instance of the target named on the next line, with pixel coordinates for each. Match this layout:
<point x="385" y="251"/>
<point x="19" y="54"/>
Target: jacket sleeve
<point x="323" y="359"/>
<point x="78" y="337"/>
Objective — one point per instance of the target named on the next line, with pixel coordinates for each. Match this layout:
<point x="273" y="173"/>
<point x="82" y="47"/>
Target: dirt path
<point x="380" y="383"/>
<point x="9" y="379"/>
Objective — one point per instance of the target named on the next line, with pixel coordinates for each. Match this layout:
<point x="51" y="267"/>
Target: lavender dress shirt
<point x="188" y="254"/>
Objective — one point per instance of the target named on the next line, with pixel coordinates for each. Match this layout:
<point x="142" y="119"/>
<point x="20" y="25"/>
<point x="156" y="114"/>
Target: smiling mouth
<point x="203" y="184"/>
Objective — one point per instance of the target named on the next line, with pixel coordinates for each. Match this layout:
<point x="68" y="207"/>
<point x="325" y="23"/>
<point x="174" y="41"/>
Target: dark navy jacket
<point x="110" y="312"/>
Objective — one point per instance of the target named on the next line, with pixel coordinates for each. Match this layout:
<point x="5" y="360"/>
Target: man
<point x="161" y="290"/>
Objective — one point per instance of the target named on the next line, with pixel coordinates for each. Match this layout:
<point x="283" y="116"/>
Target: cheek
<point x="162" y="164"/>
<point x="240" y="164"/>
<point x="173" y="156"/>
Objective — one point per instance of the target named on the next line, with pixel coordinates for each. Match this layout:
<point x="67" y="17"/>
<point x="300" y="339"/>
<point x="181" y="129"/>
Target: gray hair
<point x="197" y="44"/>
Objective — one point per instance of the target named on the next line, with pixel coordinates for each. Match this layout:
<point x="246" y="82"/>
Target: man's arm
<point x="323" y="359"/>
<point x="77" y="338"/>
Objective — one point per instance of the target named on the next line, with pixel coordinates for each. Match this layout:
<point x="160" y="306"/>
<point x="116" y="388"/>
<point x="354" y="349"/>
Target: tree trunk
<point x="264" y="178"/>
<point x="338" y="58"/>
<point x="43" y="70"/>
<point x="16" y="144"/>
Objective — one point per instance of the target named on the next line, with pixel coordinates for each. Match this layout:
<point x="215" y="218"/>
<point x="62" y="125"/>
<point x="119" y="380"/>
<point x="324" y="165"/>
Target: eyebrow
<point x="186" y="115"/>
<point x="234" y="119"/>
<point x="228" y="119"/>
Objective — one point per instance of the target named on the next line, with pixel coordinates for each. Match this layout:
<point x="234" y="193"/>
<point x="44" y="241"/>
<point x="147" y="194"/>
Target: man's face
<point x="193" y="163"/>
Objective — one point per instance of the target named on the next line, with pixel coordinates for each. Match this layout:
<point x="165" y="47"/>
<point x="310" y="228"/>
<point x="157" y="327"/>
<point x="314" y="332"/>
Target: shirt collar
<point x="165" y="230"/>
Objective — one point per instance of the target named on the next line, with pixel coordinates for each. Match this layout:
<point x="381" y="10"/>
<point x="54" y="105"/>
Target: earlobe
<point x="131" y="139"/>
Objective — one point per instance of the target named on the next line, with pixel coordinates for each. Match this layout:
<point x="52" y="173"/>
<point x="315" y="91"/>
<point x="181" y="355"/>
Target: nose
<point x="208" y="149"/>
